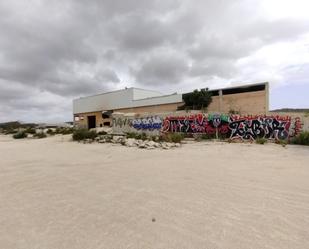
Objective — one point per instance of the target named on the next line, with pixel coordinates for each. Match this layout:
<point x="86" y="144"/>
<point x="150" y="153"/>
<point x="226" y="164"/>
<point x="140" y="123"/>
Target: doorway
<point x="91" y="122"/>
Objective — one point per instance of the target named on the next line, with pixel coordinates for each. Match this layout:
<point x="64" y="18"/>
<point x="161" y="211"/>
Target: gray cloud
<point x="65" y="49"/>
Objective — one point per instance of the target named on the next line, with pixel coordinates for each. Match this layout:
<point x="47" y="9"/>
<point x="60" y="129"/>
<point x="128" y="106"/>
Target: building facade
<point x="96" y="111"/>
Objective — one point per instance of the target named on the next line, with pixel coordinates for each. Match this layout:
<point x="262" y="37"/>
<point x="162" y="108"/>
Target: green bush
<point x="131" y="135"/>
<point x="81" y="134"/>
<point x="19" y="135"/>
<point x="102" y="133"/>
<point x="30" y="130"/>
<point x="10" y="131"/>
<point x="50" y="132"/>
<point x="64" y="131"/>
<point x="302" y="138"/>
<point x="261" y="140"/>
<point x="40" y="135"/>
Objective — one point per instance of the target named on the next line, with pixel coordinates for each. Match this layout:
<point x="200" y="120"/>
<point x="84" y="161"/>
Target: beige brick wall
<point x="83" y="119"/>
<point x="244" y="103"/>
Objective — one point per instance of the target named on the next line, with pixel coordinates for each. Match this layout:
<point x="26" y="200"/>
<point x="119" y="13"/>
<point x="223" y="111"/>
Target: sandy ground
<point x="56" y="194"/>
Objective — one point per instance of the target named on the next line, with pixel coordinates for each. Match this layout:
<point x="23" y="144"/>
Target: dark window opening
<point x="107" y="123"/>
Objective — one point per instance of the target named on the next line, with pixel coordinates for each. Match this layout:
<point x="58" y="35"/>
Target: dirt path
<point x="59" y="194"/>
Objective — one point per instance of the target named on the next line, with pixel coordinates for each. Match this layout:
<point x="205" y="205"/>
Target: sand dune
<point x="60" y="194"/>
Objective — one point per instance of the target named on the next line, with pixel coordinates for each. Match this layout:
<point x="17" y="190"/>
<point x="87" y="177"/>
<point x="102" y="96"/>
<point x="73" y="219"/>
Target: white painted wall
<point x="127" y="98"/>
<point x="142" y="93"/>
<point x="103" y="102"/>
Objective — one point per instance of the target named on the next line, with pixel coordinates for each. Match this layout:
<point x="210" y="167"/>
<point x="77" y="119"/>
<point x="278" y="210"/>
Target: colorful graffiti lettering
<point x="260" y="127"/>
<point x="229" y="126"/>
<point x="197" y="123"/>
<point x="147" y="123"/>
<point x="234" y="126"/>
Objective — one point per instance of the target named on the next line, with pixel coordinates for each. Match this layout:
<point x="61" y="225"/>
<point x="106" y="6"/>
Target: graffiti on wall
<point x="259" y="127"/>
<point x="196" y="123"/>
<point x="147" y="123"/>
<point x="230" y="126"/>
<point x="121" y="122"/>
<point x="234" y="126"/>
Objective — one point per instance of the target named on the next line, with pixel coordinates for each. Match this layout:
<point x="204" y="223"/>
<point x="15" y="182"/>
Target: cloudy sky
<point x="54" y="51"/>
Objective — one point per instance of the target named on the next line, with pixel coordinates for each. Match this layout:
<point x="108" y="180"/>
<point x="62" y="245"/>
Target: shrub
<point x="302" y="138"/>
<point x="50" y="132"/>
<point x="40" y="135"/>
<point x="19" y="135"/>
<point x="64" y="131"/>
<point x="81" y="134"/>
<point x="102" y="133"/>
<point x="131" y="135"/>
<point x="30" y="130"/>
<point x="261" y="140"/>
<point x="10" y="131"/>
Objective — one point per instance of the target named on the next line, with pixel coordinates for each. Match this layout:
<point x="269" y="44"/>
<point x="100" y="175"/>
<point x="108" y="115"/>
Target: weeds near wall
<point x="302" y="138"/>
<point x="261" y="140"/>
<point x="172" y="137"/>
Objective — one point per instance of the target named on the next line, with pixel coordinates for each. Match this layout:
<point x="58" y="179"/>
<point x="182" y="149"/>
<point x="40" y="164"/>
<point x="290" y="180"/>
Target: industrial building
<point x="95" y="111"/>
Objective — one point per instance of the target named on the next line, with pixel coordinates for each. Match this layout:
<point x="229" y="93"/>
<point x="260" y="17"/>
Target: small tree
<point x="197" y="100"/>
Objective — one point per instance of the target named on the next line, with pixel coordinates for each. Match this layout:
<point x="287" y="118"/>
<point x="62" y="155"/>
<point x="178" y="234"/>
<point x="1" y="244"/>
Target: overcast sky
<point x="54" y="51"/>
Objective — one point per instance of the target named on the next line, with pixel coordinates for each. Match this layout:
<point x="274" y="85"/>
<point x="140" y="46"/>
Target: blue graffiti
<point x="148" y="123"/>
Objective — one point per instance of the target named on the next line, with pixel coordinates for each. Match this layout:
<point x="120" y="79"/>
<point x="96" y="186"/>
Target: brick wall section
<point x="83" y="123"/>
<point x="244" y="103"/>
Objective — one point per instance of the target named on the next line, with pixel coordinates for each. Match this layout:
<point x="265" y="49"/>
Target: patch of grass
<point x="302" y="138"/>
<point x="20" y="135"/>
<point x="40" y="135"/>
<point x="81" y="134"/>
<point x="261" y="140"/>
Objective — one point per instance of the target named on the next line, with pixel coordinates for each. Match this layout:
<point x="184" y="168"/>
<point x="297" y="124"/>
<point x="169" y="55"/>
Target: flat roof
<point x="120" y="90"/>
<point x="239" y="89"/>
